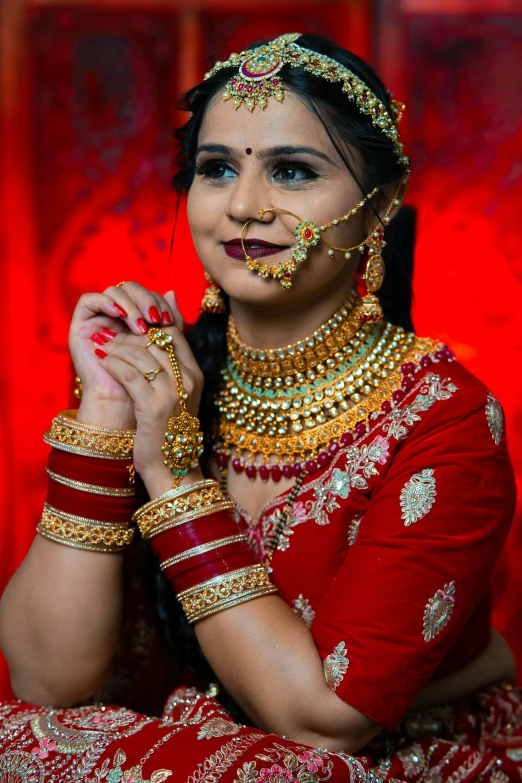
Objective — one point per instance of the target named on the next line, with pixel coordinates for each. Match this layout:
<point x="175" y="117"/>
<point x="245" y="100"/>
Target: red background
<point x="87" y="107"/>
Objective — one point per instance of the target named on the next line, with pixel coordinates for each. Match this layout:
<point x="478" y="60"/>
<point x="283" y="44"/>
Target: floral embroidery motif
<point x="218" y="727"/>
<point x="413" y="760"/>
<point x="495" y="417"/>
<point x="21" y="767"/>
<point x="433" y="390"/>
<point x="335" y="666"/>
<point x="133" y="775"/>
<point x="45" y="746"/>
<point x="287" y="765"/>
<point x="353" y="530"/>
<point x="64" y="739"/>
<point x="515" y="754"/>
<point x="418" y="496"/>
<point x="438" y="611"/>
<point x="302" y="608"/>
<point x="213" y="767"/>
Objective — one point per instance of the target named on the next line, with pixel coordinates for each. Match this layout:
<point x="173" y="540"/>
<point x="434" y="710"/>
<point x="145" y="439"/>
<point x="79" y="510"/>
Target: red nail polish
<point x="120" y="310"/>
<point x="154" y="315"/>
<point x="142" y="326"/>
<point x="165" y="318"/>
<point x="108" y="333"/>
<point x="99" y="339"/>
<point x="100" y="353"/>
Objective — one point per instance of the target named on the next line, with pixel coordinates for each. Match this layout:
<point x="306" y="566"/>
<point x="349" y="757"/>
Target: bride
<point x="322" y="494"/>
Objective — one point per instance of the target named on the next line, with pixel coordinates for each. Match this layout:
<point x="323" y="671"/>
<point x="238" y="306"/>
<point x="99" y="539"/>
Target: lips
<point x="257" y="248"/>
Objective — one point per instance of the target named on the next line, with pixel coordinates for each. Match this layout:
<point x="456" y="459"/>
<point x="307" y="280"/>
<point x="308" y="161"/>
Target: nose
<point x="248" y="195"/>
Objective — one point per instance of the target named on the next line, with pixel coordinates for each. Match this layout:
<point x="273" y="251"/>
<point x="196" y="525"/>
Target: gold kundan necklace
<point x="286" y="410"/>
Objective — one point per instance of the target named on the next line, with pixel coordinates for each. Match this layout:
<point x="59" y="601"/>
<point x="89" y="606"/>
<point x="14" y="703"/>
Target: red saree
<point x="386" y="556"/>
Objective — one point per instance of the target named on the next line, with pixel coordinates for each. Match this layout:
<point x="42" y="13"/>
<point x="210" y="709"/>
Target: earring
<point x="370" y="308"/>
<point x="212" y="301"/>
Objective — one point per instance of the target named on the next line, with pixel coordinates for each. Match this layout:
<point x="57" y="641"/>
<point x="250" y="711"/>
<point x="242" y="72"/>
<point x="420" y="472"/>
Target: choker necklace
<point x="286" y="410"/>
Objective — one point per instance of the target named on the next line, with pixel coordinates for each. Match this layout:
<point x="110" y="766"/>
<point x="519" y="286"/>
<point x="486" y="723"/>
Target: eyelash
<point x="208" y="168"/>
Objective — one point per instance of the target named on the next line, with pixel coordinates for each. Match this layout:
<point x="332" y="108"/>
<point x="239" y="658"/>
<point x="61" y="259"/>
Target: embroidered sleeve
<point x="420" y="561"/>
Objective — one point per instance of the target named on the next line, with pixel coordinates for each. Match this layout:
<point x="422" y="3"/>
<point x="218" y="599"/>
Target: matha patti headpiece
<point x="258" y="79"/>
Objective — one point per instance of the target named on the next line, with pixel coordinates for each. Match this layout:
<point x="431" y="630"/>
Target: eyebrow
<point x="270" y="152"/>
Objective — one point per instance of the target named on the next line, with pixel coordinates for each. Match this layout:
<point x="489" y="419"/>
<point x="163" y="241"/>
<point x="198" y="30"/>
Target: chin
<point x="244" y="286"/>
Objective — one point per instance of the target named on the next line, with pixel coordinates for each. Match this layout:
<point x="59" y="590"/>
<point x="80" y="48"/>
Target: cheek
<point x="204" y="211"/>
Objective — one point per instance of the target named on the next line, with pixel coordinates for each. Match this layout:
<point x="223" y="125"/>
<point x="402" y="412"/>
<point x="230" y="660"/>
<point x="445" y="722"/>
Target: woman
<point x="344" y="604"/>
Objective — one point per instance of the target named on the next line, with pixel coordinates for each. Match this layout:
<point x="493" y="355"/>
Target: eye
<point x="215" y="169"/>
<point x="292" y="171"/>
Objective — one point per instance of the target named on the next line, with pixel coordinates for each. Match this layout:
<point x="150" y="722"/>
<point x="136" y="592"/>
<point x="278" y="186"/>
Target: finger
<point x="145" y="395"/>
<point x="178" y="320"/>
<point x="90" y="305"/>
<point x="142" y="306"/>
<point x="164" y="309"/>
<point x="183" y="351"/>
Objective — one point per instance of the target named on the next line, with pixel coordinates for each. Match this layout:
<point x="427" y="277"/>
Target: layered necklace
<point x="287" y="411"/>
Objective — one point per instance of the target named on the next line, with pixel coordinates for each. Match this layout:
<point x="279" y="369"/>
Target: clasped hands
<point x="108" y="343"/>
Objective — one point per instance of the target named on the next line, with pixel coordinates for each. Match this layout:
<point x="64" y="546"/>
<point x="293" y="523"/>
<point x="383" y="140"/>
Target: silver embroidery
<point x="418" y="496"/>
<point x="353" y="530"/>
<point x="433" y="390"/>
<point x="302" y="608"/>
<point x="335" y="666"/>
<point x="495" y="417"/>
<point x="413" y="759"/>
<point x="438" y="611"/>
<point x="218" y="727"/>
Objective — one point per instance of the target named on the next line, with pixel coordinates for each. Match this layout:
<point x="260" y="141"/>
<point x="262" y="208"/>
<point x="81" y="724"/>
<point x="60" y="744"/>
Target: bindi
<point x="248" y="151"/>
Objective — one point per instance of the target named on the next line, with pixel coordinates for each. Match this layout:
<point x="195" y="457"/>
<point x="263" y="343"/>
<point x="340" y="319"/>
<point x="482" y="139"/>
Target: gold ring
<point x="151" y="374"/>
<point x="119" y="285"/>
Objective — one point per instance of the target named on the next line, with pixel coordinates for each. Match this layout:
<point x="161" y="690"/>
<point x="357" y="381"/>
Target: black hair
<point x="348" y="130"/>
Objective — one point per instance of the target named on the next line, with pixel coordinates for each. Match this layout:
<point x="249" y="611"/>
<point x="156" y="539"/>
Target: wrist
<point x="106" y="412"/>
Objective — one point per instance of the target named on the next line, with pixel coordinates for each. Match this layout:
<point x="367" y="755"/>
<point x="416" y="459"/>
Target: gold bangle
<point x="223" y="592"/>
<point x="201" y="549"/>
<point x="84" y="521"/>
<point x="197" y="495"/>
<point x="95" y="538"/>
<point x="79" y="437"/>
<point x="93" y="489"/>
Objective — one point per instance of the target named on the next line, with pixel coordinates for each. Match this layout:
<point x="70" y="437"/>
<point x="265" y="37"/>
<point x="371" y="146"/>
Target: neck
<point x="277" y="325"/>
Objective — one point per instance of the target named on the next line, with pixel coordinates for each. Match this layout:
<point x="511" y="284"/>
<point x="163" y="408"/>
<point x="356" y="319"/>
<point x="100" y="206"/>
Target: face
<point x="278" y="157"/>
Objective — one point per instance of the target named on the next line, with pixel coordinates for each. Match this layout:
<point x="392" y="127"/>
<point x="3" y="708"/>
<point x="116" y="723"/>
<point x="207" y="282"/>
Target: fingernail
<point x="165" y="318"/>
<point x="120" y="310"/>
<point x="142" y="326"/>
<point x="100" y="353"/>
<point x="154" y="315"/>
<point x="108" y="333"/>
<point x="97" y="338"/>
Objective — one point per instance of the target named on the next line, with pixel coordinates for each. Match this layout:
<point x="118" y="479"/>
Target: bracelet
<point x="81" y="486"/>
<point x="83" y="533"/>
<point x="223" y="592"/>
<point x="179" y="505"/>
<point x="100" y="471"/>
<point x="78" y="437"/>
<point x="202" y="549"/>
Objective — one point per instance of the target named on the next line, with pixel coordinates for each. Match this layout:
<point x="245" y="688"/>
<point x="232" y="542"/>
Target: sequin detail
<point x="301" y="606"/>
<point x="438" y="611"/>
<point x="335" y="666"/>
<point x="218" y="727"/>
<point x="353" y="530"/>
<point x="413" y="760"/>
<point x="418" y="496"/>
<point x="495" y="417"/>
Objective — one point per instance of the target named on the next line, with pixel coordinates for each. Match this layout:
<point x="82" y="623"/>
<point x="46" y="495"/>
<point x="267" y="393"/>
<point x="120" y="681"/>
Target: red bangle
<point x="175" y="540"/>
<point x="93" y="506"/>
<point x="91" y="470"/>
<point x="204" y="570"/>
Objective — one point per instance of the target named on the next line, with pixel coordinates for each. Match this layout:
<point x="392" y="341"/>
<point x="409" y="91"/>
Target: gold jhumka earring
<point x="212" y="301"/>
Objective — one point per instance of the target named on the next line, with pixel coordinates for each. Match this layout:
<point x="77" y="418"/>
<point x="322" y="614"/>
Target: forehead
<point x="289" y="122"/>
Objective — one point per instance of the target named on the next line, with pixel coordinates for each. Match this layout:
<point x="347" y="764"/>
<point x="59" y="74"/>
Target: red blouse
<point x="387" y="553"/>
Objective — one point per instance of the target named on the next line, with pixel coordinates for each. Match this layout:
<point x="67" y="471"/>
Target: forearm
<point x="61" y="612"/>
<point x="266" y="658"/>
<point x="59" y="622"/>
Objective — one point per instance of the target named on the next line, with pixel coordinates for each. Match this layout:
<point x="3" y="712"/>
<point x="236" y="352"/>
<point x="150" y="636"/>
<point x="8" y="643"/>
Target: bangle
<point x="78" y="437"/>
<point x="179" y="505"/>
<point x="82" y="533"/>
<point x="223" y="592"/>
<point x="103" y="472"/>
<point x="202" y="549"/>
<point x="81" y="486"/>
